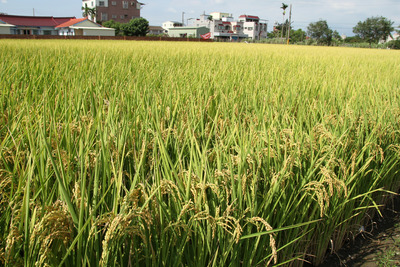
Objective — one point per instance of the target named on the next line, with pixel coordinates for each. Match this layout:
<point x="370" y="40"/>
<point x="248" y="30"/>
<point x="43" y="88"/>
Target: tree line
<point x="370" y="31"/>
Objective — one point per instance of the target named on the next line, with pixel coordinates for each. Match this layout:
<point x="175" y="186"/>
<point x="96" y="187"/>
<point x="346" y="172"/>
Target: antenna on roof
<point x="33" y="12"/>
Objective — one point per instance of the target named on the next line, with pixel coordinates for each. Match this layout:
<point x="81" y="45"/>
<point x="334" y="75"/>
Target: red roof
<point x="247" y="16"/>
<point x="71" y="22"/>
<point x="34" y="21"/>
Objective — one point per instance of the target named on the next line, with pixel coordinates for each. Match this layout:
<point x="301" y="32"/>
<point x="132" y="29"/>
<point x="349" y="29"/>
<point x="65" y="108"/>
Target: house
<point x="222" y="26"/>
<point x="255" y="29"/>
<point x="171" y="24"/>
<point x="156" y="30"/>
<point x="5" y="28"/>
<point x="190" y="32"/>
<point x="31" y="25"/>
<point x="117" y="10"/>
<point x="84" y="27"/>
<point x="394" y="36"/>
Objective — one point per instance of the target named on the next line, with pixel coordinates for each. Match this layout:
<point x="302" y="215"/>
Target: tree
<point x="297" y="36"/>
<point x="115" y="25"/>
<point x="136" y="27"/>
<point x="321" y="32"/>
<point x="284" y="6"/>
<point x="353" y="39"/>
<point x="89" y="12"/>
<point x="279" y="30"/>
<point x="374" y="29"/>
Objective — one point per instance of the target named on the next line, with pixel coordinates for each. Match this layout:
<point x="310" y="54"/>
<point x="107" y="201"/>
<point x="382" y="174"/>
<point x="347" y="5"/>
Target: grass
<point x="140" y="153"/>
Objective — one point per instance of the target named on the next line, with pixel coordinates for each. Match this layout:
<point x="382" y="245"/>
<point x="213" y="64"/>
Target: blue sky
<point x="341" y="15"/>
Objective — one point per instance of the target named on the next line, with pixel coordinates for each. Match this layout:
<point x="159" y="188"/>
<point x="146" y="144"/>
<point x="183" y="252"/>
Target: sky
<point x="341" y="15"/>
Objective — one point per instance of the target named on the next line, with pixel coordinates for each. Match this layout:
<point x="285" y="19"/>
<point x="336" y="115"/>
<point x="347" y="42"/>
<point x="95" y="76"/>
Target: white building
<point x="253" y="27"/>
<point x="156" y="30"/>
<point x="223" y="28"/>
<point x="171" y="24"/>
<point x="84" y="27"/>
<point x="220" y="15"/>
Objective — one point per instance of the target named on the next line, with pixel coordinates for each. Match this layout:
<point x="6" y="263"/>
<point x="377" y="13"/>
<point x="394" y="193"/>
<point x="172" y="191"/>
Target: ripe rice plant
<point x="191" y="154"/>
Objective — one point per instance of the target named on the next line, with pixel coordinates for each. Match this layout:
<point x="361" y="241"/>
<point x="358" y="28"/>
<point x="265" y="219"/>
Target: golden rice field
<point x="121" y="153"/>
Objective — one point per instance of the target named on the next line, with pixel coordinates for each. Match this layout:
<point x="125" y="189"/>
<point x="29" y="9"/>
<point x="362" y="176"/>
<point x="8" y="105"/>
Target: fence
<point x="126" y="38"/>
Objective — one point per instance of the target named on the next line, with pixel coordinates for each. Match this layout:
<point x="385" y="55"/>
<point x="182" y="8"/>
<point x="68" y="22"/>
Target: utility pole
<point x="183" y="18"/>
<point x="290" y="24"/>
<point x="33" y="12"/>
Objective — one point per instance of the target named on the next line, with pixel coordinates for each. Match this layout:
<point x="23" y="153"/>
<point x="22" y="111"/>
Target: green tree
<point x="374" y="29"/>
<point x="394" y="44"/>
<point x="115" y="25"/>
<point x="353" y="39"/>
<point x="321" y="32"/>
<point x="284" y="6"/>
<point x="88" y="12"/>
<point x="136" y="27"/>
<point x="281" y="29"/>
<point x="336" y="35"/>
<point x="297" y="36"/>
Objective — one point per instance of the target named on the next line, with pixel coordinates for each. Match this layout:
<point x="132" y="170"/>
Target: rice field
<point x="121" y="153"/>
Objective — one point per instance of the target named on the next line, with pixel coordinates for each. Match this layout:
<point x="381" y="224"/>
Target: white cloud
<point x="4" y="1"/>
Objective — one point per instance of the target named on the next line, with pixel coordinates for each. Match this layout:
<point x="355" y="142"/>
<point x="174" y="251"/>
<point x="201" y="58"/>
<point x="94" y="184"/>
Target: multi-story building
<point x="117" y="10"/>
<point x="254" y="27"/>
<point x="222" y="26"/>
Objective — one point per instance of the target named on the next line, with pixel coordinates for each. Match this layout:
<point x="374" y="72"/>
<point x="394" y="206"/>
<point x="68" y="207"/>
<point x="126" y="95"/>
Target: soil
<point x="377" y="245"/>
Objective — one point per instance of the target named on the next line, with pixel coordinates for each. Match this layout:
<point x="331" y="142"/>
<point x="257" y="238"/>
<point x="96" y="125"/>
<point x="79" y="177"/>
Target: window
<point x="114" y="3"/>
<point x="104" y="16"/>
<point x="47" y="32"/>
<point x="114" y="16"/>
<point x="121" y="16"/>
<point x="125" y="4"/>
<point x="92" y="3"/>
<point x="101" y="3"/>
